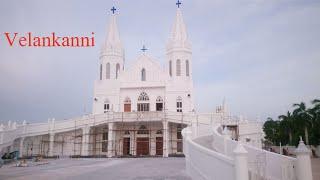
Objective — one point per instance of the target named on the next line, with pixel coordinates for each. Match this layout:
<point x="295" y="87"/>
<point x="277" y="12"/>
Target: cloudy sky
<point x="261" y="55"/>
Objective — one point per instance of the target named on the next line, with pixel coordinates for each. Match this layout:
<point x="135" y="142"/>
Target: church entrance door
<point x="142" y="146"/>
<point x="159" y="145"/>
<point x="126" y="146"/>
<point x="127" y="107"/>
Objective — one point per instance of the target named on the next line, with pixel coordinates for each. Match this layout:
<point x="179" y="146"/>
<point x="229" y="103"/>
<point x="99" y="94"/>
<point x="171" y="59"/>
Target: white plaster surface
<point x="115" y="169"/>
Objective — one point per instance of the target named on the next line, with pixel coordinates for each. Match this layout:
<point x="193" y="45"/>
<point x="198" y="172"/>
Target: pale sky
<point x="261" y="55"/>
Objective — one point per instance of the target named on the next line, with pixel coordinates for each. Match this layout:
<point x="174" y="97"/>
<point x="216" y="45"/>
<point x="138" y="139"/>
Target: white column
<point x="51" y="142"/>
<point x="85" y="141"/>
<point x="241" y="163"/>
<point x="303" y="170"/>
<point x="165" y="138"/>
<point x="110" y="140"/>
<point x="21" y="148"/>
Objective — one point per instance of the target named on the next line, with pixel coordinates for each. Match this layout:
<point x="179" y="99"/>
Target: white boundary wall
<point x="210" y="155"/>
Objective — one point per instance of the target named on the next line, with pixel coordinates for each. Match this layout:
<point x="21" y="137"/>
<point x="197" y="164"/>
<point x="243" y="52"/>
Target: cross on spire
<point x="113" y="9"/>
<point x="178" y="3"/>
<point x="144" y="48"/>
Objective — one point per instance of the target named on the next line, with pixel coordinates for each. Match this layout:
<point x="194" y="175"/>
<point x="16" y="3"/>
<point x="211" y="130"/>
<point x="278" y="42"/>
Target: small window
<point x="106" y="106"/>
<point x="108" y="71"/>
<point x="179" y="104"/>
<point x="143" y="74"/>
<point x="100" y="71"/>
<point x="178" y="67"/>
<point x="187" y="68"/>
<point x="117" y="70"/>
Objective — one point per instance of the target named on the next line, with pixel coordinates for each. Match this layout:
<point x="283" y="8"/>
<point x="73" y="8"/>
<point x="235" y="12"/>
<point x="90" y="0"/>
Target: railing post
<point x="226" y="137"/>
<point x="303" y="171"/>
<point x="241" y="163"/>
<point x="187" y="134"/>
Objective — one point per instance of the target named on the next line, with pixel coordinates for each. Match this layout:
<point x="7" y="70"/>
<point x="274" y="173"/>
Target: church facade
<point x="145" y="87"/>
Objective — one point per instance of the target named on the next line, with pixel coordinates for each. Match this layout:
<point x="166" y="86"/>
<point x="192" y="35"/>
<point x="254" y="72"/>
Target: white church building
<point x="137" y="111"/>
<point x="148" y="110"/>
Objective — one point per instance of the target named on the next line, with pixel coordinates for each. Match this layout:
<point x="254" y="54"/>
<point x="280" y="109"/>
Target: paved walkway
<point x="113" y="169"/>
<point x="316" y="168"/>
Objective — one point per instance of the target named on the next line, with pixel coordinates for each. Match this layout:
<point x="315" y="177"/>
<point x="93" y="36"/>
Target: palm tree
<point x="315" y="119"/>
<point x="303" y="118"/>
<point x="287" y="124"/>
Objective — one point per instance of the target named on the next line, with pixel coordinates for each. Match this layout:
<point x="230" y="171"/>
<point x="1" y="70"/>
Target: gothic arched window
<point x="127" y="100"/>
<point x="117" y="70"/>
<point x="159" y="99"/>
<point x="143" y="74"/>
<point x="178" y="67"/>
<point x="108" y="71"/>
<point x="143" y="102"/>
<point x="179" y="104"/>
<point x="143" y="97"/>
<point x="187" y="68"/>
<point x="159" y="104"/>
<point x="170" y="68"/>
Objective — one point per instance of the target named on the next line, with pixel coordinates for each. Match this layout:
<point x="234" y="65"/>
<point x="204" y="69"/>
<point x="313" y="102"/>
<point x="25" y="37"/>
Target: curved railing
<point x="261" y="163"/>
<point x="203" y="163"/>
<point x="204" y="151"/>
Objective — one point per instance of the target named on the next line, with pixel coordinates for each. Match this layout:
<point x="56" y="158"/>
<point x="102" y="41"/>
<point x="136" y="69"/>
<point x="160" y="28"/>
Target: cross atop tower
<point x="144" y="48"/>
<point x="113" y="9"/>
<point x="178" y="3"/>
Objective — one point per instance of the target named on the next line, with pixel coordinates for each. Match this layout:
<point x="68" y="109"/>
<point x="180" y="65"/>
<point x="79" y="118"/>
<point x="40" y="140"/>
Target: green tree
<point x="302" y="119"/>
<point x="271" y="130"/>
<point x="287" y="125"/>
<point x="315" y="120"/>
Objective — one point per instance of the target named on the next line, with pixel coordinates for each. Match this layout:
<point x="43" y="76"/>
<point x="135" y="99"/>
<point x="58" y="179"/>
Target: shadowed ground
<point x="113" y="169"/>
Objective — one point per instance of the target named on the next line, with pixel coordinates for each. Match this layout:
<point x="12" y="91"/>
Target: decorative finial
<point x="144" y="48"/>
<point x="113" y="9"/>
<point x="178" y="3"/>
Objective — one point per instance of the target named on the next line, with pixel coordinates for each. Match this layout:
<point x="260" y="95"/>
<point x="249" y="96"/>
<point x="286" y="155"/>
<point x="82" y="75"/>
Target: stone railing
<point x="13" y="131"/>
<point x="236" y="161"/>
<point x="203" y="163"/>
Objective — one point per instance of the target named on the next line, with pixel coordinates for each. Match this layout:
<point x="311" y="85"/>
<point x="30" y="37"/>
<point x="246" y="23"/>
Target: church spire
<point x="179" y="35"/>
<point x="112" y="42"/>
